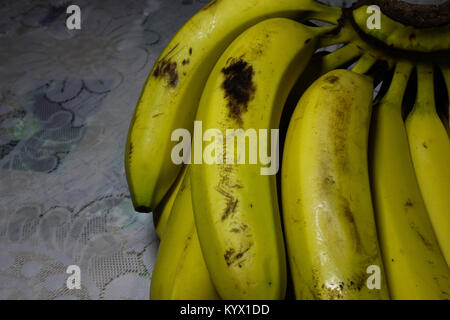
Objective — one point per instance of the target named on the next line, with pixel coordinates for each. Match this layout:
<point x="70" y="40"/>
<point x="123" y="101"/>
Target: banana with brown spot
<point x="171" y="94"/>
<point x="327" y="209"/>
<point x="235" y="206"/>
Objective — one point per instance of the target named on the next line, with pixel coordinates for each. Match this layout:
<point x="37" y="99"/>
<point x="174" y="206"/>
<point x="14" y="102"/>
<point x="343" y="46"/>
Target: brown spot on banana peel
<point x="231" y="207"/>
<point x="339" y="131"/>
<point x="188" y="240"/>
<point x="336" y="292"/>
<point x="231" y="202"/>
<point x="331" y="79"/>
<point x="168" y="70"/>
<point x="227" y="255"/>
<point x="238" y="86"/>
<point x="239" y="258"/>
<point x="329" y="180"/>
<point x="130" y="151"/>
<point x="165" y="68"/>
<point x="224" y="187"/>
<point x="339" y="289"/>
<point x="425" y="241"/>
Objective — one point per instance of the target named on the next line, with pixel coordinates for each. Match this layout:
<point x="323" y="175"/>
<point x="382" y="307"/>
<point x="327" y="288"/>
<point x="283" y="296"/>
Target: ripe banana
<point x="180" y="272"/>
<point x="430" y="151"/>
<point x="235" y="206"/>
<point x="171" y="93"/>
<point x="415" y="267"/>
<point x="162" y="211"/>
<point x="327" y="209"/>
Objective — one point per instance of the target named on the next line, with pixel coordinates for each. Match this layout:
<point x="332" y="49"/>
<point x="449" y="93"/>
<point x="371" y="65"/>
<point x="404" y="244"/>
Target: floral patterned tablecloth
<point x="66" y="99"/>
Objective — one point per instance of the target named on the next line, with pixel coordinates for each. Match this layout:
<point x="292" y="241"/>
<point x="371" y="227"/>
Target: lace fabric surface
<point x="66" y="100"/>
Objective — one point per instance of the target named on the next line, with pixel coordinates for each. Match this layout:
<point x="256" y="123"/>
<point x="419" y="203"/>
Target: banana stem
<point x="323" y="12"/>
<point x="320" y="31"/>
<point x="345" y="35"/>
<point x="398" y="85"/>
<point x="339" y="57"/>
<point x="364" y="63"/>
<point x="425" y="87"/>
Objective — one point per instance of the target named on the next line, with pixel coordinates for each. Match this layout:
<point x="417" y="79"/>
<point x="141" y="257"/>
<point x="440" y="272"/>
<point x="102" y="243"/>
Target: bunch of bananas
<point x="360" y="209"/>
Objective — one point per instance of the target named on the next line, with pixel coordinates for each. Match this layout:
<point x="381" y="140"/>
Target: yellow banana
<point x="327" y="210"/>
<point x="430" y="151"/>
<point x="162" y="211"/>
<point x="415" y="267"/>
<point x="235" y="205"/>
<point x="180" y="272"/>
<point x="170" y="96"/>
